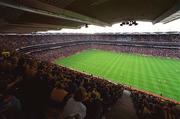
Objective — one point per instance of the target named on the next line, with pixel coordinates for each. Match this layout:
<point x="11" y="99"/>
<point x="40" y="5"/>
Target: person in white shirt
<point x="74" y="108"/>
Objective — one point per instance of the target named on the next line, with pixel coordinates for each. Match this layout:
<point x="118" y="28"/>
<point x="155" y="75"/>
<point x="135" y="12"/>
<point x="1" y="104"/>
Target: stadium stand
<point x="41" y="89"/>
<point x="166" y="45"/>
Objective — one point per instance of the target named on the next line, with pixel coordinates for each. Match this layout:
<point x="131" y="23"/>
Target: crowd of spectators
<point x="151" y="107"/>
<point x="53" y="54"/>
<point x="175" y="53"/>
<point x="17" y="41"/>
<point x="13" y="42"/>
<point x="37" y="86"/>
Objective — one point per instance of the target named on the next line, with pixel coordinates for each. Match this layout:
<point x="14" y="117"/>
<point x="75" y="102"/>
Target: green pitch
<point x="154" y="74"/>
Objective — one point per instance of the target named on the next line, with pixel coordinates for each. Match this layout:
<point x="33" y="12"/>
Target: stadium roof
<point x="22" y="16"/>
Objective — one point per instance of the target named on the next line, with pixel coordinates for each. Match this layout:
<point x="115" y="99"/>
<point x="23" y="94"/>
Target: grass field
<point x="154" y="74"/>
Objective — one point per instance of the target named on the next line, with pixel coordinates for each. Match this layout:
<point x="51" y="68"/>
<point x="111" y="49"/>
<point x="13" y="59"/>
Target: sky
<point x="116" y="28"/>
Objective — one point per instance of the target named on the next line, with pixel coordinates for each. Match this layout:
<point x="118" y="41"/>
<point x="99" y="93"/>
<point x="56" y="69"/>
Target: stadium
<point x="123" y="75"/>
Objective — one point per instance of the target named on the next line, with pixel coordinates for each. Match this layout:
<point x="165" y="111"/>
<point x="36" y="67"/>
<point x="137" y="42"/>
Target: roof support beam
<point x="36" y="25"/>
<point x="25" y="24"/>
<point x="61" y="14"/>
<point x="21" y="30"/>
<point x="168" y="13"/>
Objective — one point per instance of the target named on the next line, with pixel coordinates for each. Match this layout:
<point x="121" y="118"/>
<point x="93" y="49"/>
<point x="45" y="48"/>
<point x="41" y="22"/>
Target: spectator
<point x="74" y="107"/>
<point x="10" y="106"/>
